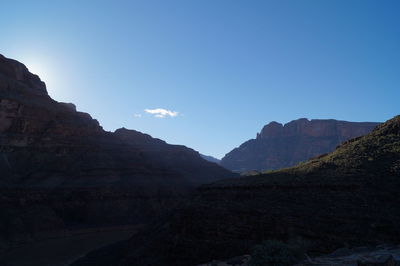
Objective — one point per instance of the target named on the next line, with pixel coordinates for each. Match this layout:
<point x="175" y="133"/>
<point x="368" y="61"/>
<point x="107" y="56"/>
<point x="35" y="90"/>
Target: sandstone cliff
<point x="279" y="146"/>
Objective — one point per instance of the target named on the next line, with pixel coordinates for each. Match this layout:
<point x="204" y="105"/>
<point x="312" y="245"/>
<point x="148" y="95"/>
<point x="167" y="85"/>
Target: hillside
<point x="278" y="146"/>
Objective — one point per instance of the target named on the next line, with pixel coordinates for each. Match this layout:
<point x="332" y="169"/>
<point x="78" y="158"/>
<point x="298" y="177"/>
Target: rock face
<point x="279" y="146"/>
<point x="61" y="170"/>
<point x="345" y="198"/>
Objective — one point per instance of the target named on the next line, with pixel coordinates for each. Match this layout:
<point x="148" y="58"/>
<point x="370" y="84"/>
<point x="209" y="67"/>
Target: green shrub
<point x="272" y="253"/>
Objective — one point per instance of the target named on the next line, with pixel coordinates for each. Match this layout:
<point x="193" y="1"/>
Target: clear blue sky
<point x="226" y="66"/>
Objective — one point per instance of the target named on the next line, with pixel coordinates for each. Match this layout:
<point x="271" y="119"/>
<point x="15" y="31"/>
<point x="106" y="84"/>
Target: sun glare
<point x="43" y="69"/>
<point x="38" y="69"/>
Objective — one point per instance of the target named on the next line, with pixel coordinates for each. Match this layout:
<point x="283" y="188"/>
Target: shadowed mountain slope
<point x="279" y="146"/>
<point x="347" y="197"/>
<point x="45" y="143"/>
<point x="60" y="169"/>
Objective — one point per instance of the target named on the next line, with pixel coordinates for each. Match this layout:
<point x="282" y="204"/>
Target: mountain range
<point x="61" y="172"/>
<point x="279" y="146"/>
<point x="348" y="197"/>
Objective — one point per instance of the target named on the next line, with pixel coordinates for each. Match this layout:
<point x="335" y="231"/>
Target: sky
<point x="209" y="74"/>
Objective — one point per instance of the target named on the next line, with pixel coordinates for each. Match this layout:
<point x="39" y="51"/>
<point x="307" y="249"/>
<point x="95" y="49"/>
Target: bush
<point x="272" y="253"/>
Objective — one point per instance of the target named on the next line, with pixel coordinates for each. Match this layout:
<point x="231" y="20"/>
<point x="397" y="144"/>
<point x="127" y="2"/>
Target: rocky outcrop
<point x="279" y="146"/>
<point x="383" y="255"/>
<point x="345" y="198"/>
<point x="60" y="170"/>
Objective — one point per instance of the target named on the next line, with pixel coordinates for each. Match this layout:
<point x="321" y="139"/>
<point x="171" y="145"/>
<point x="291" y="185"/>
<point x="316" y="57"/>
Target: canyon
<point x="61" y="172"/>
<point x="346" y="198"/>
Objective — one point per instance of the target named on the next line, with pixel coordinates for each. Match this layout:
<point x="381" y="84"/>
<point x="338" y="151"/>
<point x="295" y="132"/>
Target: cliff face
<point x="279" y="146"/>
<point x="346" y="198"/>
<point x="317" y="128"/>
<point x="60" y="165"/>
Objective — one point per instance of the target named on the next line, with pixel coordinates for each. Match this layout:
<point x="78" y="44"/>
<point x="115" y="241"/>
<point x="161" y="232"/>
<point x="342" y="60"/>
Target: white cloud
<point x="161" y="113"/>
<point x="137" y="115"/>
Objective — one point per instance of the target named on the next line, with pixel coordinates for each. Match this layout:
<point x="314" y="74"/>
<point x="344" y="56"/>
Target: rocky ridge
<point x="279" y="146"/>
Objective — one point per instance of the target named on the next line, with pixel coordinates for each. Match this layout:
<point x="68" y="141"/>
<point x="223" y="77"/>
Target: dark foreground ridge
<point x="346" y="198"/>
<point x="279" y="146"/>
<point x="60" y="170"/>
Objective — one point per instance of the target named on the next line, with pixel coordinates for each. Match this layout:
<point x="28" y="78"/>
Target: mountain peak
<point x="273" y="129"/>
<point x="16" y="71"/>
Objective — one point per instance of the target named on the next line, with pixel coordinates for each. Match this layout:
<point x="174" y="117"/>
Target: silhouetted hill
<point x="279" y="146"/>
<point x="210" y="159"/>
<point x="61" y="170"/>
<point x="344" y="198"/>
